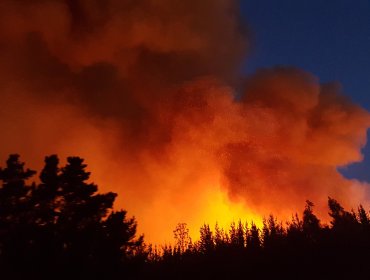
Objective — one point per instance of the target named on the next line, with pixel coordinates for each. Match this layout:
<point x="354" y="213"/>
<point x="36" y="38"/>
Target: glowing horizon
<point x="146" y="93"/>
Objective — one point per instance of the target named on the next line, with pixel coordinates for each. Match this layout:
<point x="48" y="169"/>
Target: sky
<point x="145" y="91"/>
<point x="330" y="39"/>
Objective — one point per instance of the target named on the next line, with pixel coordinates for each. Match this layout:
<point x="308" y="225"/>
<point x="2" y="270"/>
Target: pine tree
<point x="62" y="221"/>
<point x="253" y="238"/>
<point x="311" y="224"/>
<point x="16" y="228"/>
<point x="363" y="217"/>
<point x="14" y="193"/>
<point x="206" y="242"/>
<point x="341" y="219"/>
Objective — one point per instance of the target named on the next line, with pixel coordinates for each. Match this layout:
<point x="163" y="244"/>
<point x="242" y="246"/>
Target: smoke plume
<point x="148" y="92"/>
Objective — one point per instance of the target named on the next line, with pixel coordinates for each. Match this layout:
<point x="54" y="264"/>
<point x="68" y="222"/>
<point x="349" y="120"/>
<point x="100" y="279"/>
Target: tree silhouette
<point x="45" y="195"/>
<point x="237" y="235"/>
<point x="62" y="222"/>
<point x="253" y="238"/>
<point x="63" y="228"/>
<point x="16" y="232"/>
<point x="206" y="242"/>
<point x="272" y="233"/>
<point x="342" y="221"/>
<point x="311" y="224"/>
<point x="182" y="238"/>
<point x="221" y="238"/>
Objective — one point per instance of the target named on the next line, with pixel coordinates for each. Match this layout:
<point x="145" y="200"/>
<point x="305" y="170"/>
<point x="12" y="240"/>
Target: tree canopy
<point x="61" y="223"/>
<point x="60" y="226"/>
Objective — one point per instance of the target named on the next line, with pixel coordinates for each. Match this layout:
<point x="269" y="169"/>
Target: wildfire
<point x="145" y="91"/>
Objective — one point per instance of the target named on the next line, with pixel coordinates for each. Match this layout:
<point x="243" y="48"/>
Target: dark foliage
<point x="61" y="227"/>
<point x="302" y="249"/>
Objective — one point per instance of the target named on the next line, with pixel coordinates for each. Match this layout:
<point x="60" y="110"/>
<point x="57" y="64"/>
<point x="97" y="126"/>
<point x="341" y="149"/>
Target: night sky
<point x="330" y="39"/>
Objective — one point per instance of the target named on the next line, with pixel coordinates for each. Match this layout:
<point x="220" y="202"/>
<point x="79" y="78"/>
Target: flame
<point x="223" y="211"/>
<point x="148" y="92"/>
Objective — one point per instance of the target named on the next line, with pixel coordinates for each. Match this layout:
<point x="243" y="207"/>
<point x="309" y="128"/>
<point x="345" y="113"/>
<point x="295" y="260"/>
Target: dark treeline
<point x="300" y="249"/>
<point x="62" y="228"/>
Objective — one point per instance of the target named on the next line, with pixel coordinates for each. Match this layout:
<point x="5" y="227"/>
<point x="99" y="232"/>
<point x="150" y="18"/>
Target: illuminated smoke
<point x="145" y="91"/>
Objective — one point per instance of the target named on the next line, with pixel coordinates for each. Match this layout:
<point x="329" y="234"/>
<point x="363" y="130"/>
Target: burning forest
<point x="151" y="95"/>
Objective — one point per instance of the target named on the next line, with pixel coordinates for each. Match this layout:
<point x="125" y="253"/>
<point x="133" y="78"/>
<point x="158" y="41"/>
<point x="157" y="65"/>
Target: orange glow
<point x="222" y="211"/>
<point x="146" y="91"/>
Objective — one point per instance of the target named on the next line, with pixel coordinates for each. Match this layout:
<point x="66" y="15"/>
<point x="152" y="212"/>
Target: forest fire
<point x="149" y="94"/>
